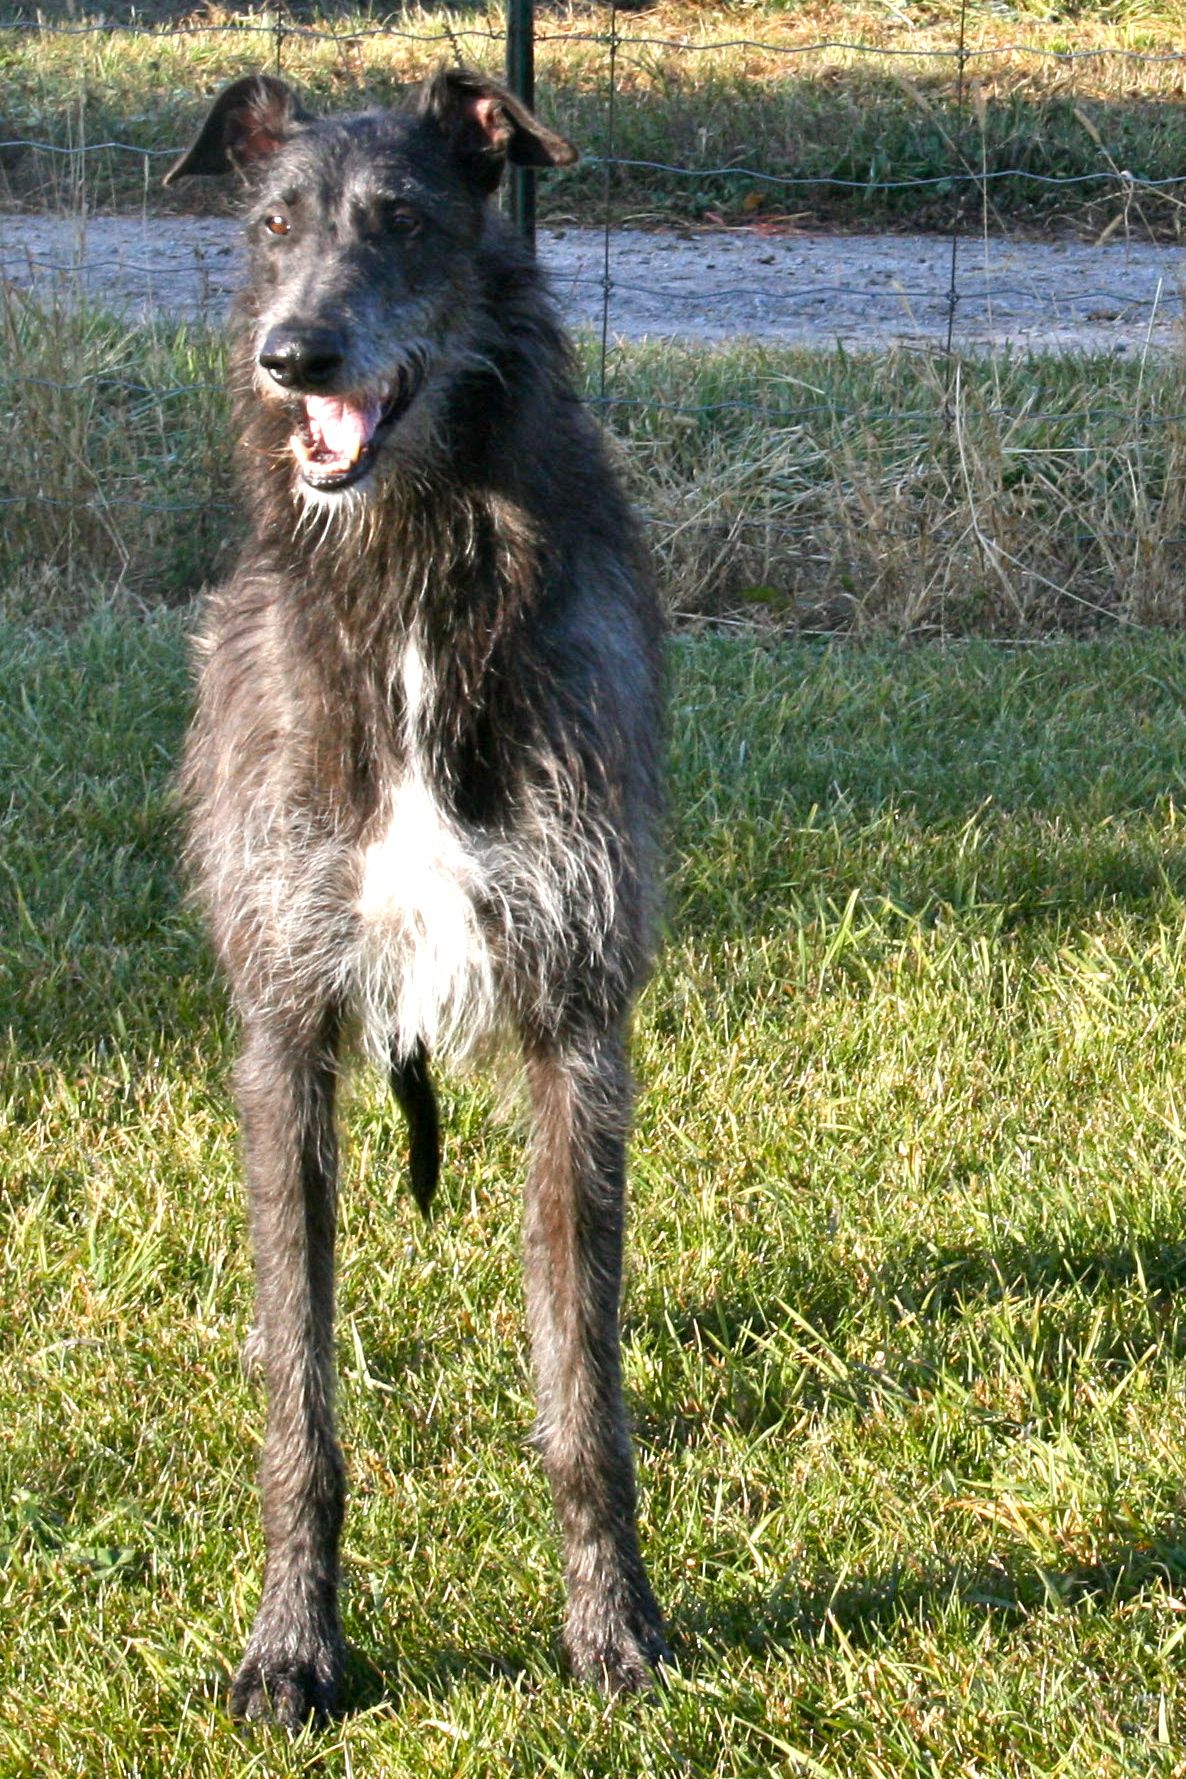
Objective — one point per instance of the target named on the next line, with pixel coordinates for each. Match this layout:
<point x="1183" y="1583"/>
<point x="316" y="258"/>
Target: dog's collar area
<point x="339" y="437"/>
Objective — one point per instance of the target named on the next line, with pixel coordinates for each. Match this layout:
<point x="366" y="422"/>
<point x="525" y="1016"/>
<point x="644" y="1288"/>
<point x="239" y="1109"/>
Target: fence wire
<point x="967" y="459"/>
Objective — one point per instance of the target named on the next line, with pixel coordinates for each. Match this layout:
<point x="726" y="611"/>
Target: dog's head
<point x="363" y="231"/>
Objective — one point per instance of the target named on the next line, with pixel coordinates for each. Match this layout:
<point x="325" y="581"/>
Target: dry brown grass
<point x="909" y="493"/>
<point x="112" y="446"/>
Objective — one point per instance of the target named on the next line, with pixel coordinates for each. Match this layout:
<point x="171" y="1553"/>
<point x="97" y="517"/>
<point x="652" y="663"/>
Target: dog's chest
<point x="424" y="970"/>
<point x="417" y="865"/>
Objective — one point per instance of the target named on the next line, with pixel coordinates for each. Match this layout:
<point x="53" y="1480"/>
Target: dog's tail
<point x="412" y="1086"/>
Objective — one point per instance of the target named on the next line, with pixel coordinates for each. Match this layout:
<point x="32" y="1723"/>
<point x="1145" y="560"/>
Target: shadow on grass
<point x="863" y="1609"/>
<point x="929" y="1281"/>
<point x="1052" y="889"/>
<point x="923" y="1283"/>
<point x="808" y="1344"/>
<point x="386" y="1676"/>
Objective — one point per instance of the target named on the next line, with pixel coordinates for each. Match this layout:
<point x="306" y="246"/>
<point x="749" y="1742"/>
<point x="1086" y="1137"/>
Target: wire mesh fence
<point x="885" y="316"/>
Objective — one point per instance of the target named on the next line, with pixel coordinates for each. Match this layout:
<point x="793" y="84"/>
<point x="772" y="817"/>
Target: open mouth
<point x="340" y="435"/>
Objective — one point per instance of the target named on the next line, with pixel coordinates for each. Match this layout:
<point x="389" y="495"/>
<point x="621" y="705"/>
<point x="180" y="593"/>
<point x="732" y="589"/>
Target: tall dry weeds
<point x="112" y="448"/>
<point x="921" y="494"/>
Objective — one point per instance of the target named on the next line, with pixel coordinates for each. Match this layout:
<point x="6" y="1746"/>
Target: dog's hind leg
<point x="411" y="1083"/>
<point x="573" y="1229"/>
<point x="285" y="1085"/>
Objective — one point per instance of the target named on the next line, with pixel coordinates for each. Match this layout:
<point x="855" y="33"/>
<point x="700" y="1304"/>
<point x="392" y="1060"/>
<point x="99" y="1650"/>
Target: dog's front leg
<point x="580" y="1097"/>
<point x="292" y="1666"/>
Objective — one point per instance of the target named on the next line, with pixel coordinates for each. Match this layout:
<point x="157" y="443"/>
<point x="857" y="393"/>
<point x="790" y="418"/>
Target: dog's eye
<point x="401" y="220"/>
<point x="277" y="224"/>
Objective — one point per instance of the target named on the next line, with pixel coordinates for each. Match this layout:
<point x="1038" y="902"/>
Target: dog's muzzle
<point x="338" y="437"/>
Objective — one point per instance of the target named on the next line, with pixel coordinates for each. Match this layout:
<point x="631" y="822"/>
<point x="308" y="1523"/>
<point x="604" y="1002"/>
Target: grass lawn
<point x="841" y="104"/>
<point x="903" y="1343"/>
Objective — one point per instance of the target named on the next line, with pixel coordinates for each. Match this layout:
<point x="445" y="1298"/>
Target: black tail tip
<point x="411" y="1083"/>
<point x="424" y="1173"/>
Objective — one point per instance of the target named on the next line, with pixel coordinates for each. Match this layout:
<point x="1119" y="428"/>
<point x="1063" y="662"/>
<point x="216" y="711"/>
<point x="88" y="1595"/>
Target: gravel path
<point x="802" y="289"/>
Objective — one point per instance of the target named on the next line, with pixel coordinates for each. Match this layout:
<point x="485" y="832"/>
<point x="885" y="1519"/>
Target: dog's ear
<point x="486" y="126"/>
<point x="247" y="122"/>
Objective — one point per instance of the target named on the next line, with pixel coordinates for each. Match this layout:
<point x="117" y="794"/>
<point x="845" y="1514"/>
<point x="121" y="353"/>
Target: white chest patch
<point x="424" y="969"/>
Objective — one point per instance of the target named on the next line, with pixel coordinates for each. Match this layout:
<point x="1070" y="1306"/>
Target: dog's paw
<point x="616" y="1650"/>
<point x="291" y="1693"/>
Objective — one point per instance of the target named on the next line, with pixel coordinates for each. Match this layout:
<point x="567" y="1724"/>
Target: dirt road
<point x="867" y="290"/>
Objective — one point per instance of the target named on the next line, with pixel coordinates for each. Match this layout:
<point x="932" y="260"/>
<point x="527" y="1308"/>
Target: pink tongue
<point x="341" y="429"/>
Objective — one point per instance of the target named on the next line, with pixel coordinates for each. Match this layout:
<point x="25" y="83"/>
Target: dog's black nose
<point x="302" y="357"/>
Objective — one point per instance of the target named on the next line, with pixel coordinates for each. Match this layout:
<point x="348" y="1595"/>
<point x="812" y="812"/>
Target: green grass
<point x="898" y="492"/>
<point x="903" y="1340"/>
<point x="770" y="97"/>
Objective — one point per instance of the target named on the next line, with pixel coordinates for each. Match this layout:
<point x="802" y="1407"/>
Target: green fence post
<point x="521" y="80"/>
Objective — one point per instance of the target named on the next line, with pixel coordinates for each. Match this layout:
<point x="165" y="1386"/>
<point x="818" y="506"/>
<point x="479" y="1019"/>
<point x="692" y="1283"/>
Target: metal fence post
<point x="521" y="81"/>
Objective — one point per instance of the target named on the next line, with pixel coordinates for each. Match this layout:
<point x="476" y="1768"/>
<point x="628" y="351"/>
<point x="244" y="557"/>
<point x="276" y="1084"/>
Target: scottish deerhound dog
<point x="423" y="781"/>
